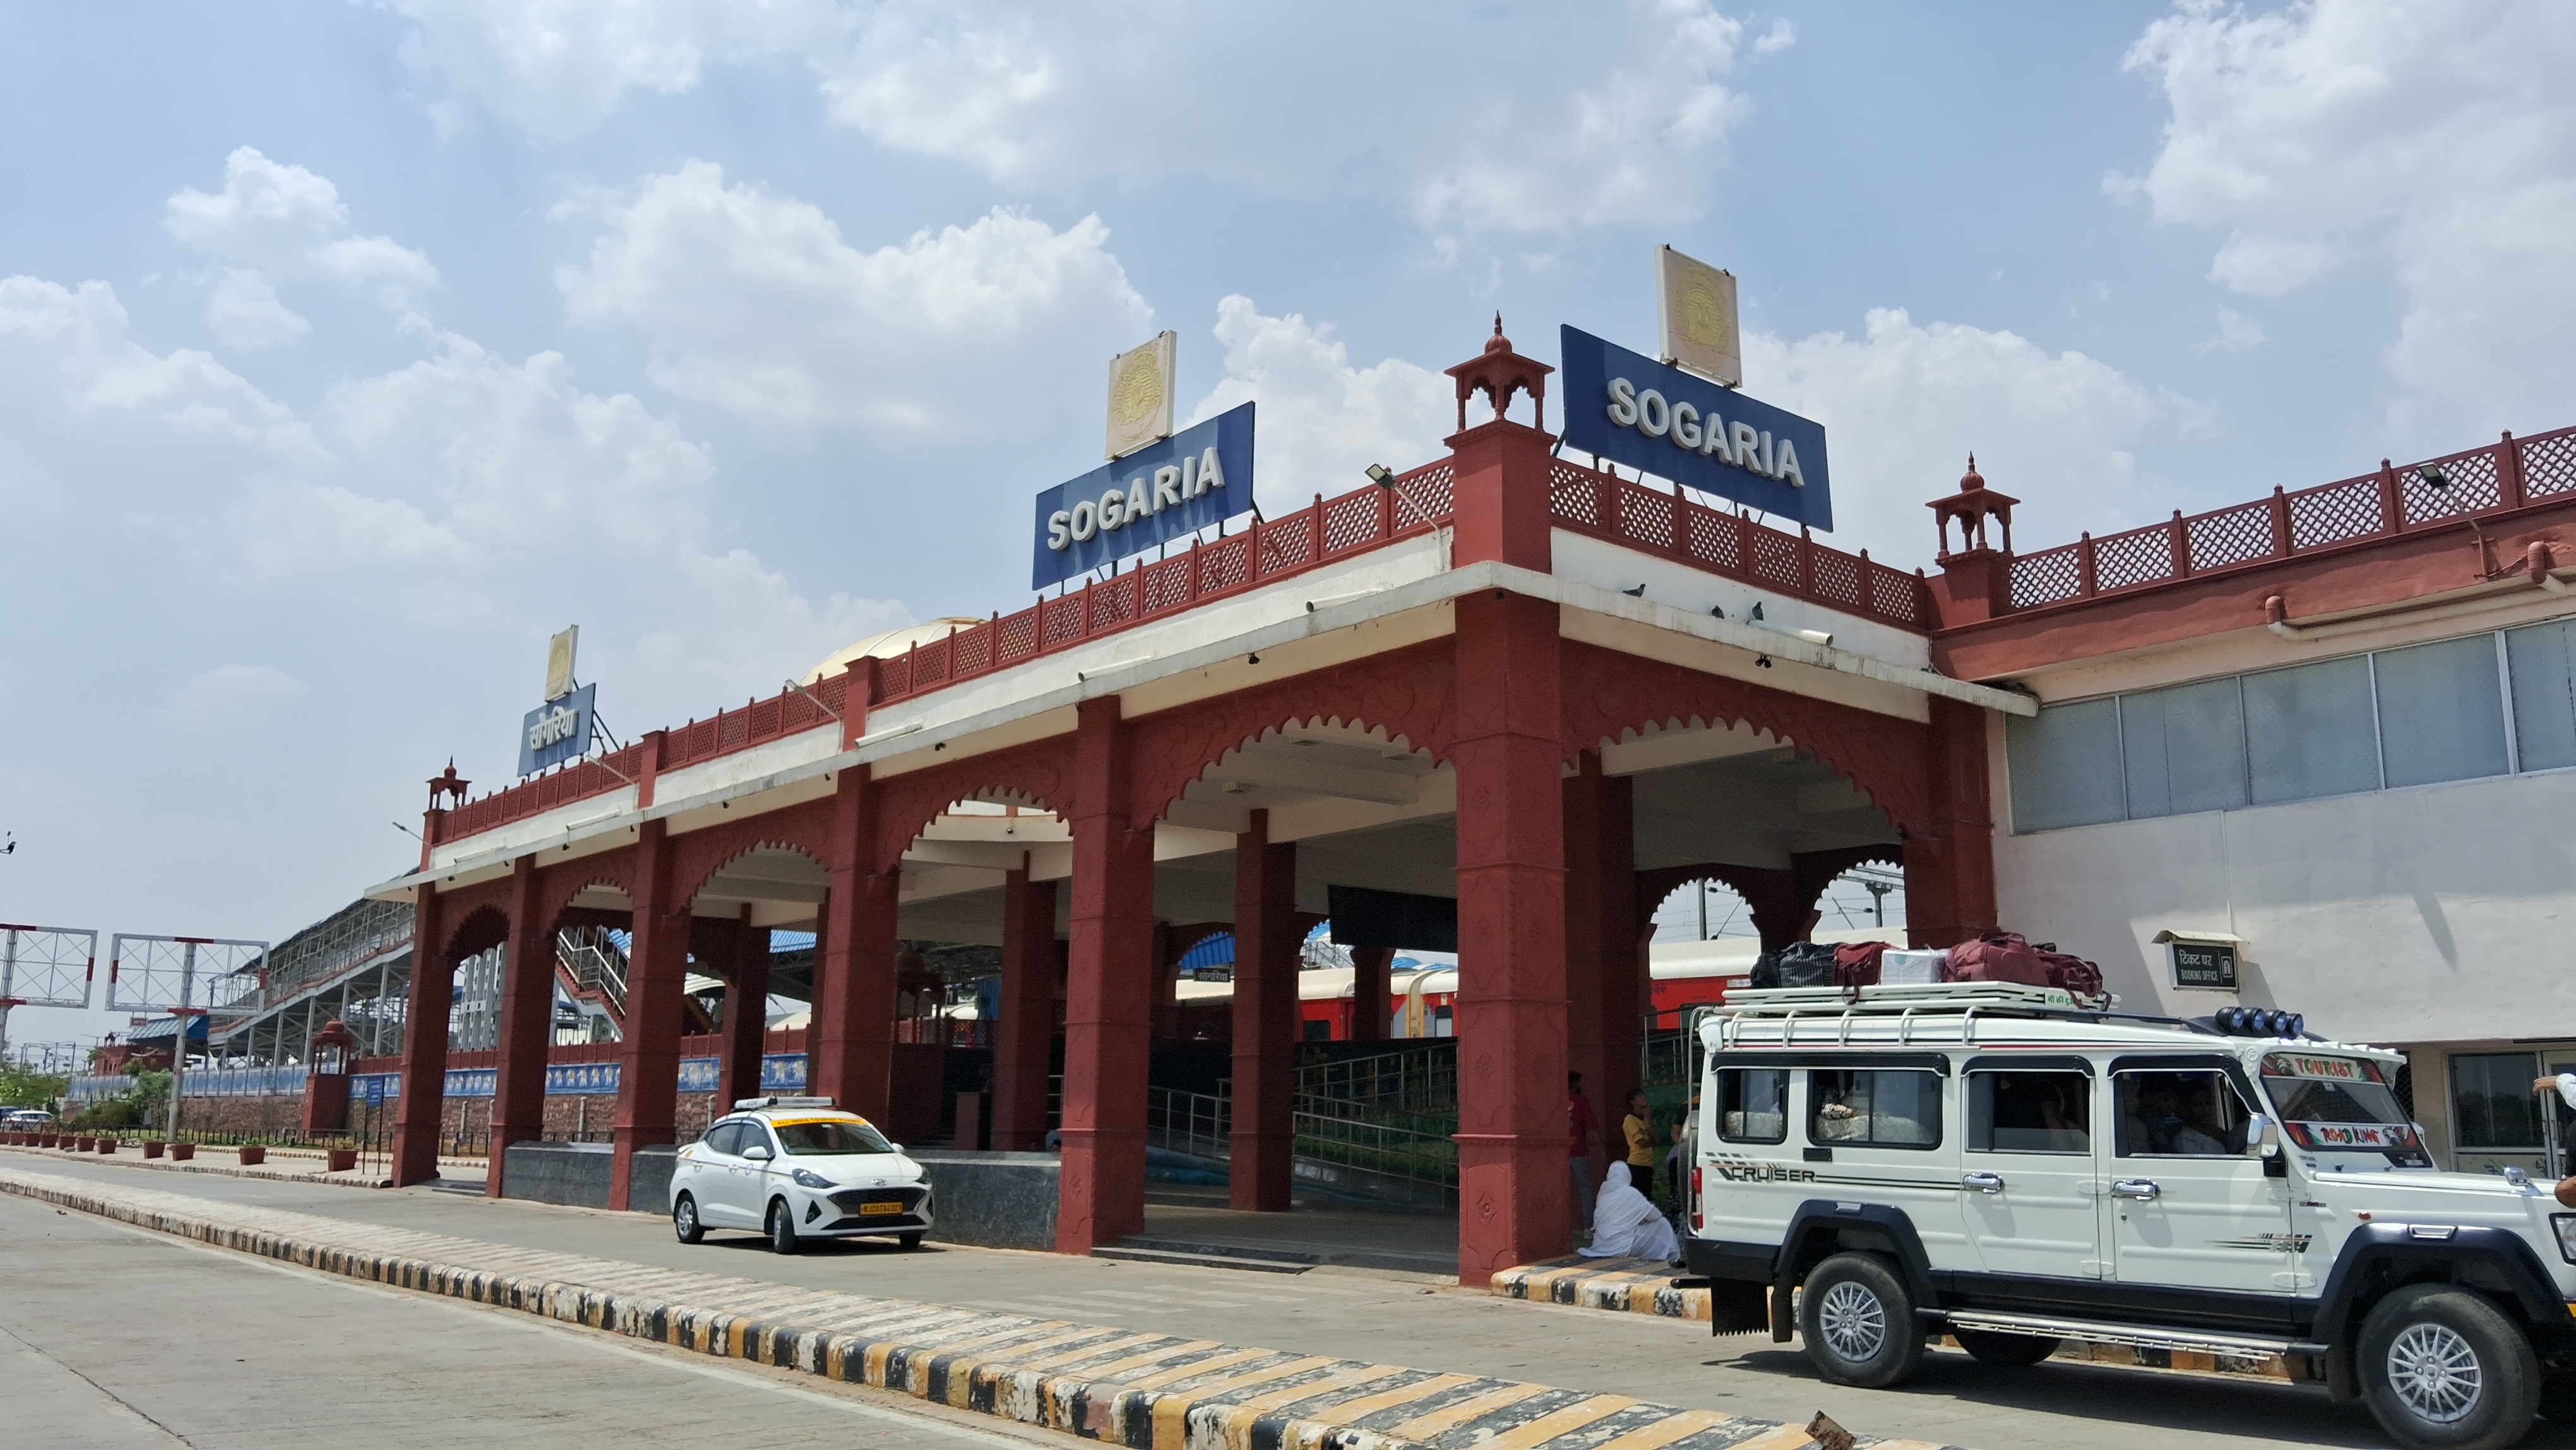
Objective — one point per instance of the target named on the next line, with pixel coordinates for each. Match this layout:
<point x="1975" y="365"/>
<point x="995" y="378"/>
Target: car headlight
<point x="2565" y="1224"/>
<point x="808" y="1178"/>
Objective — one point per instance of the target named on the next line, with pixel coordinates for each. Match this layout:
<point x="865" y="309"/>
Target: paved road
<point x="120" y="1339"/>
<point x="1361" y="1315"/>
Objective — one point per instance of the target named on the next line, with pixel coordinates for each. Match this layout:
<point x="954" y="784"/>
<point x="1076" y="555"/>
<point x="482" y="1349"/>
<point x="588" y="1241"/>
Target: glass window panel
<point x="2309" y="731"/>
<point x="2542" y="660"/>
<point x="1753" y="1104"/>
<point x="2193" y="1113"/>
<point x="2492" y="1103"/>
<point x="1890" y="1109"/>
<point x="2441" y="711"/>
<point x="2184" y="749"/>
<point x="2065" y="765"/>
<point x="2030" y="1112"/>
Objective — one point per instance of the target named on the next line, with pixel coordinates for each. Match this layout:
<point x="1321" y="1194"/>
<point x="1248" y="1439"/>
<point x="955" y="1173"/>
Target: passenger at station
<point x="1627" y="1226"/>
<point x="1639" y="1129"/>
<point x="1580" y="1124"/>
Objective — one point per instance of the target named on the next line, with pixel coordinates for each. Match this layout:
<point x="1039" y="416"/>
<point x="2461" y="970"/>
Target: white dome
<point x="889" y="644"/>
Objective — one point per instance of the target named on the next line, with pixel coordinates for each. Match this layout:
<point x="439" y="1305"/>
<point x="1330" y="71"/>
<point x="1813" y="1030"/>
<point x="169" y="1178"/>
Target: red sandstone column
<point x="1370" y="1007"/>
<point x="1950" y="871"/>
<point x="1266" y="940"/>
<point x="853" y="1054"/>
<point x="527" y="1023"/>
<point x="1605" y="966"/>
<point x="746" y="1015"/>
<point x="1027" y="1029"/>
<point x="422" y="1104"/>
<point x="1108" y="1021"/>
<point x="648" y="1056"/>
<point x="1513" y="1204"/>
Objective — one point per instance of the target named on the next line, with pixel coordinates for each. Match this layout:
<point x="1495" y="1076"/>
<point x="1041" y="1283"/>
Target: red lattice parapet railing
<point x="2393" y="500"/>
<point x="1586" y="501"/>
<point x="1330" y="529"/>
<point x="1364" y="518"/>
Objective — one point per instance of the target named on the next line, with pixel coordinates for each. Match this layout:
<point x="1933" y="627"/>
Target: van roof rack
<point x="1775" y="1001"/>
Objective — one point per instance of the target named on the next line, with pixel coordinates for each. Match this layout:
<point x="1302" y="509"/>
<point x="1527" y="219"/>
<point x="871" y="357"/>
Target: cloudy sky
<point x="346" y="351"/>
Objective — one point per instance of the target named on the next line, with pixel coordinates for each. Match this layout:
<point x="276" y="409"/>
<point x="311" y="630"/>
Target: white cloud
<point x="556" y="68"/>
<point x="1906" y="402"/>
<point x="68" y="371"/>
<point x="1323" y="421"/>
<point x="752" y="301"/>
<point x="1586" y="114"/>
<point x="244" y="311"/>
<point x="230" y="697"/>
<point x="2435" y="138"/>
<point x="288" y="222"/>
<point x="2236" y="333"/>
<point x="443" y="513"/>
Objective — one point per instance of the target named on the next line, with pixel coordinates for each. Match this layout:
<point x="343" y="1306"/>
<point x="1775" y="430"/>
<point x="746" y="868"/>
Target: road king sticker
<point x="2325" y="1069"/>
<point x="2360" y="1137"/>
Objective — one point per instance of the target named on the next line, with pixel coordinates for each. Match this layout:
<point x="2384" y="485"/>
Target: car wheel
<point x="684" y="1219"/>
<point x="782" y="1227"/>
<point x="911" y="1240"/>
<point x="2005" y="1351"/>
<point x="2443" y="1369"/>
<point x="1858" y="1322"/>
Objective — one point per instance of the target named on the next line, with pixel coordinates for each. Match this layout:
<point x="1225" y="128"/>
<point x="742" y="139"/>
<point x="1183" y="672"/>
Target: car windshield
<point x="2339" y="1104"/>
<point x="830" y="1135"/>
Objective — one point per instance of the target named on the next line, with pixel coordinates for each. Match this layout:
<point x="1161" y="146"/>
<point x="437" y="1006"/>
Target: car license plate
<point x="869" y="1208"/>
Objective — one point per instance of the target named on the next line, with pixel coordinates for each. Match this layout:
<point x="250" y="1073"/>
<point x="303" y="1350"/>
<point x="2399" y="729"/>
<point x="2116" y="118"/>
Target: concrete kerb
<point x="1644" y="1286"/>
<point x="1130" y="1388"/>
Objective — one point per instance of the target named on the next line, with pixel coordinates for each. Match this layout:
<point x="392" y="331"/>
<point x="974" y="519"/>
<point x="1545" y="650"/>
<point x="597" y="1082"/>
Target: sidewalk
<point x="294" y="1165"/>
<point x="1135" y="1388"/>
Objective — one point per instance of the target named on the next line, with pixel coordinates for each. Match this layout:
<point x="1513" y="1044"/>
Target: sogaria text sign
<point x="1180" y="485"/>
<point x="1631" y="409"/>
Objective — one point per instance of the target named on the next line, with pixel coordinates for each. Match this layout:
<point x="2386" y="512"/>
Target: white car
<point x="27" y="1118"/>
<point x="794" y="1169"/>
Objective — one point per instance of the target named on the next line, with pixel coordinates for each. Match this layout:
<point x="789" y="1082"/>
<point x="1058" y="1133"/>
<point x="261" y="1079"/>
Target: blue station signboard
<point x="1196" y="478"/>
<point x="1628" y="408"/>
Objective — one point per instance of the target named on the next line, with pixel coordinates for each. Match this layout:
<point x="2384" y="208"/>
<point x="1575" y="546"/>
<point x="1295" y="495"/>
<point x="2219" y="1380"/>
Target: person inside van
<point x="2199" y="1133"/>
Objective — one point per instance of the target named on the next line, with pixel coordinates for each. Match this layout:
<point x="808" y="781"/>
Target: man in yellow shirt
<point x="1639" y="1127"/>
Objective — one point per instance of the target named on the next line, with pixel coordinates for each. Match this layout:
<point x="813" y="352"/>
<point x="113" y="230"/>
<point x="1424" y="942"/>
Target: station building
<point x="1553" y="694"/>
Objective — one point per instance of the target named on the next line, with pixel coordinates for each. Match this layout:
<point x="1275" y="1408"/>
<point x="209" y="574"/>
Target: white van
<point x="2021" y="1170"/>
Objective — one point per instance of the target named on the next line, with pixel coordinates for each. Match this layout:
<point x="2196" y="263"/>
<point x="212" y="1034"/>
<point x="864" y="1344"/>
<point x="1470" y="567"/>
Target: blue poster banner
<point x="1631" y="409"/>
<point x="556" y="732"/>
<point x="1196" y="478"/>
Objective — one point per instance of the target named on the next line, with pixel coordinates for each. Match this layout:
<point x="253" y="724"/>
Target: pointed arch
<point x="1409" y="693"/>
<point x="1608" y="695"/>
<point x="1039" y="773"/>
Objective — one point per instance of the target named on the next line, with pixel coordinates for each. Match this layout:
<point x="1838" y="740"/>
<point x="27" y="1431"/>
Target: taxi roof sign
<point x="746" y="1104"/>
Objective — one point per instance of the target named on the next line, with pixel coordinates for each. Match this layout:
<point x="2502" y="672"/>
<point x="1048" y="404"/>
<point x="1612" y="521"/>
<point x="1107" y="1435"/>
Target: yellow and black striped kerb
<point x="1121" y="1387"/>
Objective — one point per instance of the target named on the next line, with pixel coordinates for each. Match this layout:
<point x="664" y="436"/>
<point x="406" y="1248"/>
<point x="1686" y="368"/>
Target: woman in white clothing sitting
<point x="1626" y="1226"/>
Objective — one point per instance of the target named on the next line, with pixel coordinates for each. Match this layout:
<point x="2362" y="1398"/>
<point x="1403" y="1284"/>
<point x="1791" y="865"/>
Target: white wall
<point x="2428" y="914"/>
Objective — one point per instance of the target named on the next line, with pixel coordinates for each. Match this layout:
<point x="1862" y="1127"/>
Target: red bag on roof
<point x="1856" y="964"/>
<point x="1998" y="956"/>
<point x="2075" y="974"/>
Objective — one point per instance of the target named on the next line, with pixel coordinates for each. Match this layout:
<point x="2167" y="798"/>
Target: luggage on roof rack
<point x="1935" y="996"/>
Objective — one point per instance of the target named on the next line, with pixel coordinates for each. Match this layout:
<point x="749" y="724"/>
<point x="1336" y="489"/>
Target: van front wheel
<point x="1858" y="1322"/>
<point x="2443" y="1369"/>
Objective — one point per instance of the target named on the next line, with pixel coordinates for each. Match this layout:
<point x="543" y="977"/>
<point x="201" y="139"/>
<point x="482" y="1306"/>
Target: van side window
<point x="2193" y="1114"/>
<point x="1888" y="1109"/>
<point x="1753" y="1104"/>
<point x="2030" y="1112"/>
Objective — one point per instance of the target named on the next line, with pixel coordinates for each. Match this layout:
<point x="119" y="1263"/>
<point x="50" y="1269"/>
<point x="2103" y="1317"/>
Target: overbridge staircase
<point x="1372" y="1131"/>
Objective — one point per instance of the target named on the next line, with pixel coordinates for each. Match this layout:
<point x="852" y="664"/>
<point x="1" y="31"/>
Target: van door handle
<point x="2144" y="1190"/>
<point x="1982" y="1182"/>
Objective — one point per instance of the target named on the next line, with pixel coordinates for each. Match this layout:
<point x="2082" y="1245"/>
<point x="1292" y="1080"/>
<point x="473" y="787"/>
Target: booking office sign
<point x="1628" y="408"/>
<point x="1165" y="490"/>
